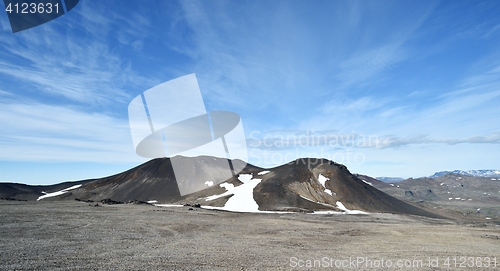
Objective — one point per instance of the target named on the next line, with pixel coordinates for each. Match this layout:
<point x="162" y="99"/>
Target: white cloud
<point x="285" y="140"/>
<point x="39" y="132"/>
<point x="5" y="24"/>
<point x="339" y="105"/>
<point x="367" y="64"/>
<point x="491" y="31"/>
<point x="397" y="142"/>
<point x="80" y="64"/>
<point x="468" y="111"/>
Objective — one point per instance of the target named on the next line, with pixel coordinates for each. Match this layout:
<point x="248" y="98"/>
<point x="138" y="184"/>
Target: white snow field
<point x="322" y="180"/>
<point x="242" y="199"/>
<point x="58" y="193"/>
<point x="169" y="205"/>
<point x="340" y="205"/>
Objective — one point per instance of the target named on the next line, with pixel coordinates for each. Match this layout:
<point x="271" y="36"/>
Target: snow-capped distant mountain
<point x="476" y="173"/>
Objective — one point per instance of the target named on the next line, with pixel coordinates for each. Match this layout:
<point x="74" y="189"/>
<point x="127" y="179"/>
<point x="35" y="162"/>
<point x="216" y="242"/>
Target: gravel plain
<point x="66" y="235"/>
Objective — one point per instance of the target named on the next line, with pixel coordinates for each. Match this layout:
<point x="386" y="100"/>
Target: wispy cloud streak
<point x="286" y="140"/>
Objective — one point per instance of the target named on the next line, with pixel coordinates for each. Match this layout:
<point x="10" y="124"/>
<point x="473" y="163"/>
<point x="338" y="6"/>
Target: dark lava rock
<point x="137" y="202"/>
<point x="13" y="199"/>
<point x="77" y="199"/>
<point x="111" y="202"/>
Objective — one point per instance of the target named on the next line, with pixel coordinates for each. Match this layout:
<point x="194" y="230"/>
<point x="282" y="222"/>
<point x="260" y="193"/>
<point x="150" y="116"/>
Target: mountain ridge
<point x="475" y="173"/>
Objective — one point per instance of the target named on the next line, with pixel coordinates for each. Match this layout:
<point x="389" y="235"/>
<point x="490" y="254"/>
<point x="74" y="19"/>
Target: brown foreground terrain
<point x="70" y="235"/>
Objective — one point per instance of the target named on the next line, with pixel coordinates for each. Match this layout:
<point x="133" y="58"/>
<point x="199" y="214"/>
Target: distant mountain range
<point x="475" y="173"/>
<point x="389" y="179"/>
<point x="472" y="195"/>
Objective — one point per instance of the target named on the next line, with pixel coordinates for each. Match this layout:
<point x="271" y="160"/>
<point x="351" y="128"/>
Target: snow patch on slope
<point x="229" y="190"/>
<point x="242" y="199"/>
<point x="322" y="180"/>
<point x="339" y="206"/>
<point x="168" y="205"/>
<point x="368" y="183"/>
<point x="58" y="193"/>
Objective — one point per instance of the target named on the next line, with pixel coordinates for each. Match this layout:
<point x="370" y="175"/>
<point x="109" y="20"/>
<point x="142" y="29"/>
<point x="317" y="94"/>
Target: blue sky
<point x="389" y="88"/>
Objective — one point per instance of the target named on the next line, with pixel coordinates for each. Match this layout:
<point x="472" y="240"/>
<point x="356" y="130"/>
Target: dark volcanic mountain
<point x="153" y="180"/>
<point x="302" y="185"/>
<point x="17" y="191"/>
<point x="296" y="183"/>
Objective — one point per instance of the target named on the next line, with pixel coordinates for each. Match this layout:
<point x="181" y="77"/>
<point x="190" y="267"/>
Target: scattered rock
<point x="496" y="237"/>
<point x="77" y="199"/>
<point x="111" y="202"/>
<point x="137" y="202"/>
<point x="13" y="199"/>
<point x="408" y="193"/>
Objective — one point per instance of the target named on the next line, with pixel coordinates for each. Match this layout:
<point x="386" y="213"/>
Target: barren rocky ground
<point x="457" y="195"/>
<point x="70" y="235"/>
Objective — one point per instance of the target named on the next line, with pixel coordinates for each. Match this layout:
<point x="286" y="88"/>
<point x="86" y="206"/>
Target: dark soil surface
<point x="71" y="235"/>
